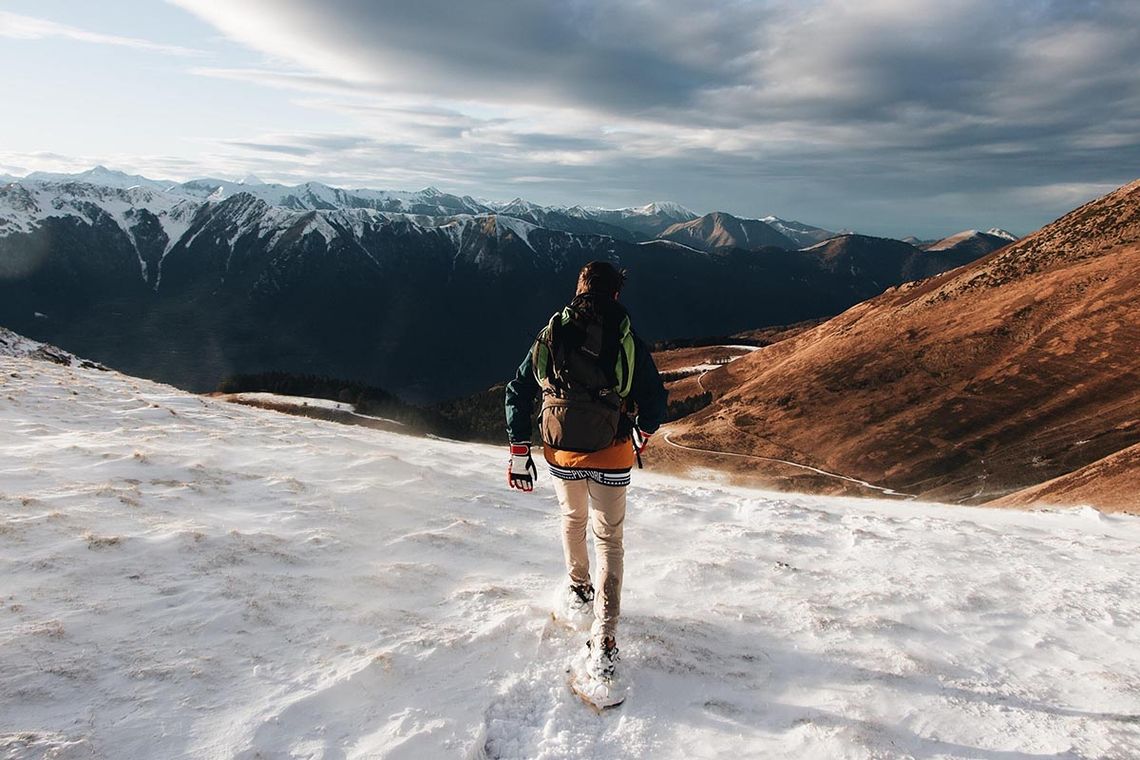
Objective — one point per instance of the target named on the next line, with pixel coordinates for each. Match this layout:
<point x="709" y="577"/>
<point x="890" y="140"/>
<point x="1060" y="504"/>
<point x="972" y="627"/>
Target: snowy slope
<point x="14" y="345"/>
<point x="189" y="578"/>
<point x="25" y="204"/>
<point x="999" y="232"/>
<point x="803" y="234"/>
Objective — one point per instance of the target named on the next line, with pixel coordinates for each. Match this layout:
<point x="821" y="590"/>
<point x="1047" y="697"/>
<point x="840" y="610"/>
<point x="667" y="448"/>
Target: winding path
<point x="881" y="489"/>
<point x="701" y="384"/>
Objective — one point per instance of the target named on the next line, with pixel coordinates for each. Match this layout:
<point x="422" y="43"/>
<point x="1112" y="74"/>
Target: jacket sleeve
<point x="521" y="393"/>
<point x="648" y="390"/>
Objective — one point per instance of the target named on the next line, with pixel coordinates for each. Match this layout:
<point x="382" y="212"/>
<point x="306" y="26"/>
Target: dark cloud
<point x="824" y="109"/>
<point x="623" y="58"/>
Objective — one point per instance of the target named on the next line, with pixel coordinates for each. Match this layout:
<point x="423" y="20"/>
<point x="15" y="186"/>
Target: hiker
<point x="602" y="399"/>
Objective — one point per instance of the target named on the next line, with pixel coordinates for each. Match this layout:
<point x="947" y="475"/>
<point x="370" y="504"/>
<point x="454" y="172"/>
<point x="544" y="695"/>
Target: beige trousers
<point x="604" y="506"/>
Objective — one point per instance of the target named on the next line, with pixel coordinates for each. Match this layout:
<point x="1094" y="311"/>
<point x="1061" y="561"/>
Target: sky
<point x="890" y="117"/>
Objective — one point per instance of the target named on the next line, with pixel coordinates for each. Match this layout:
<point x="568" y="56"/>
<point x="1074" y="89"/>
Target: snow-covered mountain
<point x="192" y="282"/>
<point x="720" y="231"/>
<point x="803" y="234"/>
<point x="917" y="242"/>
<point x="103" y="177"/>
<point x="563" y="220"/>
<point x="189" y="578"/>
<point x="649" y="220"/>
<point x="999" y="232"/>
<point x="429" y="202"/>
<point x="973" y="241"/>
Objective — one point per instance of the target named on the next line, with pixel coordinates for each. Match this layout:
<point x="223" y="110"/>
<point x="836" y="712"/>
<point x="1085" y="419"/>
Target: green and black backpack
<point x="583" y="361"/>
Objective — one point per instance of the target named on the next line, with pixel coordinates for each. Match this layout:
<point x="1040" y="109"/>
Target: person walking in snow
<point x="602" y="399"/>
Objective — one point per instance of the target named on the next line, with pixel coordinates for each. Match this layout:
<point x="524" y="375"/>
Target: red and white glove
<point x="640" y="440"/>
<point x="521" y="471"/>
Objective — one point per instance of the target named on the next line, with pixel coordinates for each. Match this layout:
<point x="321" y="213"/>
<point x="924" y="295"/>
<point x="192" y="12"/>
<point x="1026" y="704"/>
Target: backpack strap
<point x="551" y="349"/>
<point x="542" y="358"/>
<point x="623" y="367"/>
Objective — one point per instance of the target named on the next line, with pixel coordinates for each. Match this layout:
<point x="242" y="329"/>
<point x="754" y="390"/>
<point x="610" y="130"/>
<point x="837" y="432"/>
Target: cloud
<point x="877" y="115"/>
<point x="16" y="26"/>
<point x="720" y="66"/>
<point x="621" y="58"/>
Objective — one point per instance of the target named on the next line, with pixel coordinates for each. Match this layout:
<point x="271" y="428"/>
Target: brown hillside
<point x="1111" y="484"/>
<point x="1005" y="373"/>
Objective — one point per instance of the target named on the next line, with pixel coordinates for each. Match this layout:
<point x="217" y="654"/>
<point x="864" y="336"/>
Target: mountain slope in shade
<point x="189" y="292"/>
<point x="719" y="230"/>
<point x="885" y="261"/>
<point x="1109" y="483"/>
<point x="1016" y="369"/>
<point x="917" y="242"/>
<point x="202" y="280"/>
<point x="803" y="234"/>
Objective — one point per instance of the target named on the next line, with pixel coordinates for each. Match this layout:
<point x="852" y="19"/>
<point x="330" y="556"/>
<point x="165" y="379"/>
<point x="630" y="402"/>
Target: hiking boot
<point x="580" y="599"/>
<point x="601" y="657"/>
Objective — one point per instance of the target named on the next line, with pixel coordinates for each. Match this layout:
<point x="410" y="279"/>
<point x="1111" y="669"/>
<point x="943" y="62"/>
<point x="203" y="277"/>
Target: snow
<point x="102" y="176"/>
<point x="175" y="222"/>
<point x="797" y="231"/>
<point x="661" y="208"/>
<point x="671" y="244"/>
<point x="25" y="204"/>
<point x="655" y="208"/>
<point x="185" y="577"/>
<point x="520" y="228"/>
<point x="14" y="345"/>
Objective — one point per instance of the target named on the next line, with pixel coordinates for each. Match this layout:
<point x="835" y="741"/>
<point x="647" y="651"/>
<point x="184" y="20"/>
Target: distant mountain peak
<point x="971" y="237"/>
<point x="804" y="235"/>
<point x="721" y="230"/>
<point x="664" y="208"/>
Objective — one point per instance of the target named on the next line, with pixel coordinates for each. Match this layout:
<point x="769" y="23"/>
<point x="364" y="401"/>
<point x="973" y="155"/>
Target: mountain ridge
<point x="718" y="230"/>
<point x="637" y="222"/>
<point x="191" y="287"/>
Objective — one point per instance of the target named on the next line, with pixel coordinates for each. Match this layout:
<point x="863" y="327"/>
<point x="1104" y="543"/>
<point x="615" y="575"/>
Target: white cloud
<point x="16" y="26"/>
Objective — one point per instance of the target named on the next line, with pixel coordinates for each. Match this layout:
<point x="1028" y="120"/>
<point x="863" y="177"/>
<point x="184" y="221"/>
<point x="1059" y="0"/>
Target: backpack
<point x="583" y="361"/>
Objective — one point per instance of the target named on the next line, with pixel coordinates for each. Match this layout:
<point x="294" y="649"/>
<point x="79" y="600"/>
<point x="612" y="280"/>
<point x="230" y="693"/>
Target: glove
<point x="521" y="471"/>
<point x="640" y="440"/>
